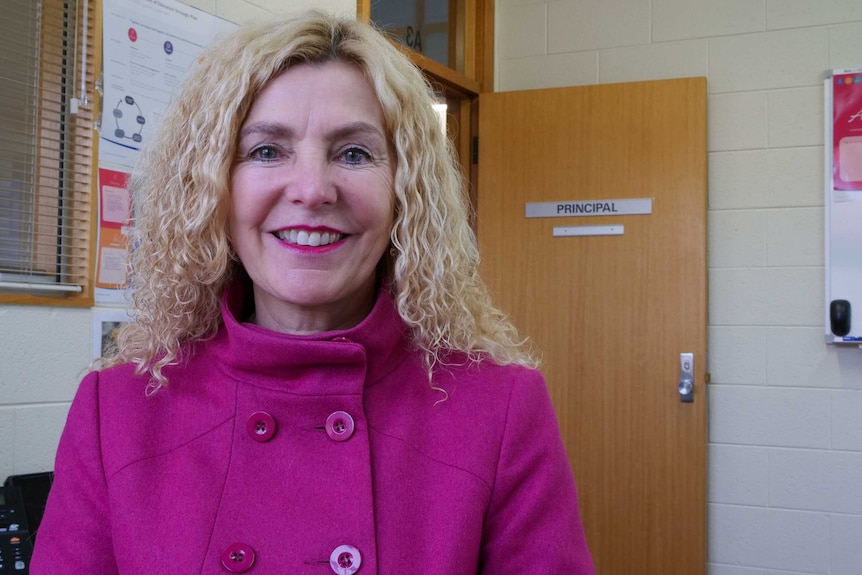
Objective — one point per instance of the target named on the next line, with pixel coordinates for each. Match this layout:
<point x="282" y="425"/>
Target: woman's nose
<point x="311" y="184"/>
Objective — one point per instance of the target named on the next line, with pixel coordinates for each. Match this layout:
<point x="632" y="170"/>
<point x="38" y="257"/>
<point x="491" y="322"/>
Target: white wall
<point x="244" y="10"/>
<point x="785" y="471"/>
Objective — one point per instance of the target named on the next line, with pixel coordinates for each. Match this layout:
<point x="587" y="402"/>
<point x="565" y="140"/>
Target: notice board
<point x="843" y="206"/>
<point x="148" y="46"/>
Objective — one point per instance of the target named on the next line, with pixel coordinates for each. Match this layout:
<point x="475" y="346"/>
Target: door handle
<point x="685" y="387"/>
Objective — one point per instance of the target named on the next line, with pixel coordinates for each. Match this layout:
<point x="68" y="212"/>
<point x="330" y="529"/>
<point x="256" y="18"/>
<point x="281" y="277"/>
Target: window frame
<point x="472" y="40"/>
<point x="82" y="133"/>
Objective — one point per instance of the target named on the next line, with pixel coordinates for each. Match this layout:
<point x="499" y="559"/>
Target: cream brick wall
<point x="246" y="10"/>
<point x="785" y="468"/>
<point x="42" y="354"/>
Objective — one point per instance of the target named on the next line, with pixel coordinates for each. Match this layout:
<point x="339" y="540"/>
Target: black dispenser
<point x="839" y="317"/>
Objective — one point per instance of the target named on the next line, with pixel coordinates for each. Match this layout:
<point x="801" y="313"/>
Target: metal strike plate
<point x="685" y="387"/>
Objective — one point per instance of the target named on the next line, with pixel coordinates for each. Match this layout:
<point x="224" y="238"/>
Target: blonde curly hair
<point x="182" y="259"/>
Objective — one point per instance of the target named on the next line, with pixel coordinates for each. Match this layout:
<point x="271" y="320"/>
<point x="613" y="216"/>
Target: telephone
<point x="22" y="504"/>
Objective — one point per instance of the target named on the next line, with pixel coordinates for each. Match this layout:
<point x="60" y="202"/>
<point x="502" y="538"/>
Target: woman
<point x="316" y="380"/>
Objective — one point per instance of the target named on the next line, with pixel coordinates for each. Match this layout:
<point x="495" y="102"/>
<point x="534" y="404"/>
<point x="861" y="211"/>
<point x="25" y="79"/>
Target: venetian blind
<point x="46" y="146"/>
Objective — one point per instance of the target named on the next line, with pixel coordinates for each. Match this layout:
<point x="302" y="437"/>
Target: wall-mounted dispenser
<point x="839" y="317"/>
<point x="843" y="205"/>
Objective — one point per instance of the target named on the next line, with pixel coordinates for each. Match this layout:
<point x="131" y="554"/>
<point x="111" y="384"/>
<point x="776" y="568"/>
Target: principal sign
<point x="588" y="208"/>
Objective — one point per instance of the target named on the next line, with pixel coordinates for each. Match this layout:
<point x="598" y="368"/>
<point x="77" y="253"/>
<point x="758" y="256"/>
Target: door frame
<point x="472" y="43"/>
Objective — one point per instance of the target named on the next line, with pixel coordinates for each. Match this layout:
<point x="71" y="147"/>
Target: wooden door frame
<point x="475" y="45"/>
<point x="477" y="28"/>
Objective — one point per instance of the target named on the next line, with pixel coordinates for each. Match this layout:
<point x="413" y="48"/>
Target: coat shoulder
<point x="136" y="424"/>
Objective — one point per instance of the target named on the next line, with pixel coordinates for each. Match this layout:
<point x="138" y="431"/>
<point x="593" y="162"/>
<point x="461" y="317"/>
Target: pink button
<point x="238" y="558"/>
<point x="260" y="426"/>
<point x="345" y="560"/>
<point x="339" y="426"/>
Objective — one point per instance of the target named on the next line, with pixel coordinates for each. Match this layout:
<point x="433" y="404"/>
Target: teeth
<point x="306" y="238"/>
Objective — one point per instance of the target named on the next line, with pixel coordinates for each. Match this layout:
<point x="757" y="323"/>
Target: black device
<point x="22" y="504"/>
<point x="839" y="317"/>
<point x="16" y="545"/>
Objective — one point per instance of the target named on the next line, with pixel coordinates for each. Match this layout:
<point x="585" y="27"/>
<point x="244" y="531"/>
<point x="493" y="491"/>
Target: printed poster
<point x="847" y="131"/>
<point x="115" y="217"/>
<point x="149" y="46"/>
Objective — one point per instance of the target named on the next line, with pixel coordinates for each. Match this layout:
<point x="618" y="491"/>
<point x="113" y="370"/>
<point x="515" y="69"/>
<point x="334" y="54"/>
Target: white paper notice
<point x="115" y="204"/>
<point x="149" y="46"/>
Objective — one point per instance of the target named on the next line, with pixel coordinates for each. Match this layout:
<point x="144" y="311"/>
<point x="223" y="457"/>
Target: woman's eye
<point x="355" y="156"/>
<point x="264" y="153"/>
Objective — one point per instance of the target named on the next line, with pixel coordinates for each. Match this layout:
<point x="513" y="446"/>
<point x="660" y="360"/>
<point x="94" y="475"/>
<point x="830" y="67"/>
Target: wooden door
<point x="611" y="314"/>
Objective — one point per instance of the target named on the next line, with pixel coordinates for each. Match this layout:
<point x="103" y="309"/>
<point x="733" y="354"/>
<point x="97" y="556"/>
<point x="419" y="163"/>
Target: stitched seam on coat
<point x="396" y="365"/>
<point x="430" y="458"/>
<point x="172" y="449"/>
<point x="98" y="410"/>
<point x="503" y="438"/>
<point x="224" y="483"/>
<point x="255" y="382"/>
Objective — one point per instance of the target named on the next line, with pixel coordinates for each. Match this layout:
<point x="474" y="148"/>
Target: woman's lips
<point x="312" y="238"/>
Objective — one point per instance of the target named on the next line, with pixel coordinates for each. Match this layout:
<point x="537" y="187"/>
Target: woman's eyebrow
<point x="356" y="129"/>
<point x="282" y="131"/>
<point x="273" y="129"/>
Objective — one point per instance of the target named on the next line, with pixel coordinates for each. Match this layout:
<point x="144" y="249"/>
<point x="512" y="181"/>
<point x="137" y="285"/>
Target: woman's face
<point x="312" y="198"/>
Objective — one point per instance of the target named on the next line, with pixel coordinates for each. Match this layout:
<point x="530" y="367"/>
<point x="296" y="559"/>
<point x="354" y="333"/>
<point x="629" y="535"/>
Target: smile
<point x="308" y="238"/>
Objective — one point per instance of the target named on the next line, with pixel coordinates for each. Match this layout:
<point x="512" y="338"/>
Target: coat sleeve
<point x="532" y="524"/>
<point x="74" y="536"/>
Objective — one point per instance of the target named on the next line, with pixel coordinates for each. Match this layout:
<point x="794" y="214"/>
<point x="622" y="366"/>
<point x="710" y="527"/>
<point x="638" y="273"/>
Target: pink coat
<point x="271" y="453"/>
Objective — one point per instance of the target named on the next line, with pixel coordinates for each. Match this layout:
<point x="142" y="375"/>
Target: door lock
<point x="685" y="387"/>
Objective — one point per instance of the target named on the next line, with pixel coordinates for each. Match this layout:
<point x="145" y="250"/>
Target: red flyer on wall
<point x="115" y="212"/>
<point x="847" y="131"/>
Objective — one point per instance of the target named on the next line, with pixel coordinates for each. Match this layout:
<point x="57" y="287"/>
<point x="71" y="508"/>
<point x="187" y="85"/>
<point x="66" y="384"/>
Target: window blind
<point x="46" y="146"/>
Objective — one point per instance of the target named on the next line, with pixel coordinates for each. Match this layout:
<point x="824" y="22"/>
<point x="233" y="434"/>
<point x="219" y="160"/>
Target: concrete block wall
<point x="785" y="434"/>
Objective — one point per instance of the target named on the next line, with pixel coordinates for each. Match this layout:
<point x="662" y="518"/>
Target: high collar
<point x="329" y="363"/>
